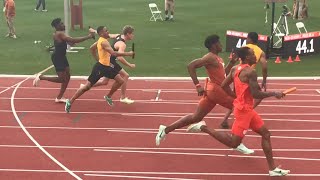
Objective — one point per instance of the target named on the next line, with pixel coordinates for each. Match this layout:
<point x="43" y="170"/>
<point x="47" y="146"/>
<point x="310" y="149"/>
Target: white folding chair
<point x="300" y="25"/>
<point x="277" y="32"/>
<point x="155" y="13"/>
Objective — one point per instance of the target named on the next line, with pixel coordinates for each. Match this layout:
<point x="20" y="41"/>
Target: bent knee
<point x="121" y="81"/>
<point x="266" y="134"/>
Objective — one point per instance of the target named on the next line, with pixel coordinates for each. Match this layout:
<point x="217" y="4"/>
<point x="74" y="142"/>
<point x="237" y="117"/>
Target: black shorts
<point x="99" y="71"/>
<point x="60" y="63"/>
<point x="116" y="66"/>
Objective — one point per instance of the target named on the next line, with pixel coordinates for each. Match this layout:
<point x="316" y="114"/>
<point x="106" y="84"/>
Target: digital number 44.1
<point x="302" y="46"/>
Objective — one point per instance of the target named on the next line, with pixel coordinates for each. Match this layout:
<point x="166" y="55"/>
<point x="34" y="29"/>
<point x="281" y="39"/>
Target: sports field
<point x="162" y="48"/>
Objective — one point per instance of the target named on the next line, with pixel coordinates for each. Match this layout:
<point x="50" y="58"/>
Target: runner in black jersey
<point x="119" y="45"/>
<point x="59" y="58"/>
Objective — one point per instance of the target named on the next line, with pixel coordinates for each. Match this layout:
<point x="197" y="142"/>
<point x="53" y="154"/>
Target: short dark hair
<point x="210" y="40"/>
<point x="55" y="22"/>
<point x="127" y="29"/>
<point x="253" y="36"/>
<point x="243" y="52"/>
<point x="99" y="29"/>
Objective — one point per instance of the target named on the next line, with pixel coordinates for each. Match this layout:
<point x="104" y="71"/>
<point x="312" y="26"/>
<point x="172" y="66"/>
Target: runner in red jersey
<point x="246" y="88"/>
<point x="212" y="95"/>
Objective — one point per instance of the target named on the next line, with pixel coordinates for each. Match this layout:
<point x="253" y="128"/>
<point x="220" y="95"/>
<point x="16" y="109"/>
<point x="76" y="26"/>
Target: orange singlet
<point x="245" y="116"/>
<point x="214" y="93"/>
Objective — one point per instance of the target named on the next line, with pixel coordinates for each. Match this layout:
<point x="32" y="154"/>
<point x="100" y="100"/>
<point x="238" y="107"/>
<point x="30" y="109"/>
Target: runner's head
<point x="103" y="32"/>
<point x="212" y="43"/>
<point x="246" y="55"/>
<point x="252" y="38"/>
<point x="127" y="31"/>
<point x="58" y="24"/>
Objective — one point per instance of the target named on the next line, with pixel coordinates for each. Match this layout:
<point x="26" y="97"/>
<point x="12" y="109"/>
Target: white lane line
<point x="163" y="114"/>
<point x="142" y="129"/>
<point x="33" y="140"/>
<point x="202" y="154"/>
<point x="155" y="172"/>
<point x="28" y="77"/>
<point x="202" y="134"/>
<point x="130" y="89"/>
<point x="148" y="148"/>
<point x="137" y="177"/>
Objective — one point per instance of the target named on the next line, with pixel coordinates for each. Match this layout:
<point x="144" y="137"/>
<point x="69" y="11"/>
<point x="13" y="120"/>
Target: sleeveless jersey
<point x="244" y="100"/>
<point x="216" y="75"/>
<point x="104" y="56"/>
<point x="118" y="38"/>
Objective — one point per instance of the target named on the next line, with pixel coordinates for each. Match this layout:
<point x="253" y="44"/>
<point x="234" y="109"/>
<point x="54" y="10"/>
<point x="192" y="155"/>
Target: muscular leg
<point x="189" y="119"/>
<point x="116" y="85"/>
<point x="125" y="77"/>
<point x="225" y="138"/>
<point x="266" y="146"/>
<point x="63" y="78"/>
<point x="80" y="91"/>
<point x="101" y="82"/>
<point x="64" y="83"/>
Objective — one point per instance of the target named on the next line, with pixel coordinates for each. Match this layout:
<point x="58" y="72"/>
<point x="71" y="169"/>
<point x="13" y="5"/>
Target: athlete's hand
<point x="92" y="35"/>
<point x="91" y="30"/>
<point x="264" y="85"/>
<point x="132" y="53"/>
<point x="132" y="65"/>
<point x="234" y="58"/>
<point x="200" y="91"/>
<point x="279" y="95"/>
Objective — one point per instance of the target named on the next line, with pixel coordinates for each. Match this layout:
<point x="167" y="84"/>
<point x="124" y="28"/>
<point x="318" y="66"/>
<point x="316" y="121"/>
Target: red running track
<point x="96" y="141"/>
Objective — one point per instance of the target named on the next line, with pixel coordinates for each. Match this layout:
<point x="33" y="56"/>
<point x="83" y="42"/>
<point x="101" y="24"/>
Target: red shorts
<point x="215" y="95"/>
<point x="244" y="120"/>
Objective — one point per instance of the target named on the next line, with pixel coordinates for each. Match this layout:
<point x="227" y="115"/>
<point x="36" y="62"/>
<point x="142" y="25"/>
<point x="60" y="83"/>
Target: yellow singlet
<point x="104" y="56"/>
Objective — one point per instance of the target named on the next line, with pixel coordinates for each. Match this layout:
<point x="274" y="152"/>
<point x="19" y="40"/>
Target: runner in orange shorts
<point x="246" y="88"/>
<point x="252" y="41"/>
<point x="212" y="95"/>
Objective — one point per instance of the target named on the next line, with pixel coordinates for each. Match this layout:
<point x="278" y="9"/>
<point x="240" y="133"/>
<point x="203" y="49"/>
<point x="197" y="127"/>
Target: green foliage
<point x="162" y="48"/>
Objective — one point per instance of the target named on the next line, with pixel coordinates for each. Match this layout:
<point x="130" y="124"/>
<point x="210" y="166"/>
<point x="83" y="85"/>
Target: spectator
<point x="300" y="9"/>
<point x="169" y="6"/>
<point x="43" y="3"/>
<point x="10" y="13"/>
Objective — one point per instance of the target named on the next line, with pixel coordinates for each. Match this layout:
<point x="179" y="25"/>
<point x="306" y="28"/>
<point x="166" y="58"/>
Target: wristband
<point x="198" y="85"/>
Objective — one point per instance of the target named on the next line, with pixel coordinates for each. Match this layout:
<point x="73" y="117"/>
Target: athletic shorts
<point x="116" y="66"/>
<point x="99" y="71"/>
<point x="244" y="120"/>
<point x="60" y="63"/>
<point x="215" y="95"/>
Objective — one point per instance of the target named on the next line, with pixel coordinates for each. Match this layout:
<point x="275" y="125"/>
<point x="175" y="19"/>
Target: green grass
<point x="194" y="20"/>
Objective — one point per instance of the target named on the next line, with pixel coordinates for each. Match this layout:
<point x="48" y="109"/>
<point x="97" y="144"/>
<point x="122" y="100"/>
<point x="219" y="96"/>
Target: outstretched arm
<point x="113" y="36"/>
<point x="255" y="89"/>
<point x="121" y="48"/>
<point x="71" y="40"/>
<point x="106" y="46"/>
